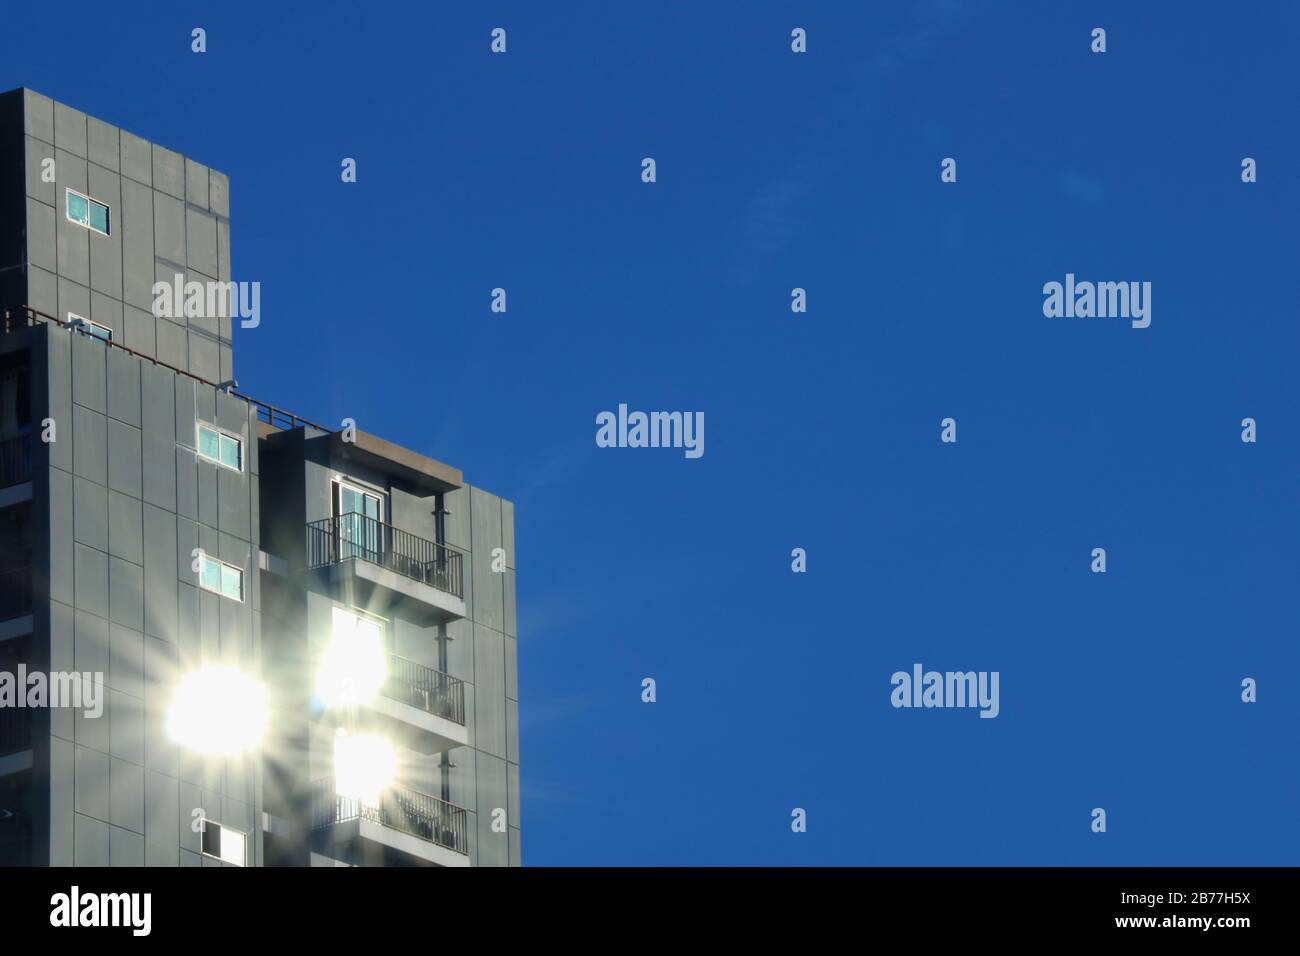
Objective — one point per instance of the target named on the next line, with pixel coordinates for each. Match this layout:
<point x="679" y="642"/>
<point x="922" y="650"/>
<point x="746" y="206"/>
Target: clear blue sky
<point x="822" y="430"/>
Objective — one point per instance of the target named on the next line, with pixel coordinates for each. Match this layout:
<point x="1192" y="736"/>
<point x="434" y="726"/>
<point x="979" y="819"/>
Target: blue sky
<point x="820" y="171"/>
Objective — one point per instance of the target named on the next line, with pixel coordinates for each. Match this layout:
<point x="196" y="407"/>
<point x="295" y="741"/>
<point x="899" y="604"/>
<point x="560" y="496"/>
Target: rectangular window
<point x="232" y="582"/>
<point x="230" y="456"/>
<point x="221" y="448"/>
<point x="224" y="579"/>
<point x="84" y="211"/>
<point x="102" y="332"/>
<point x="99" y="217"/>
<point x="78" y="209"/>
<point x="209" y="440"/>
<point x="223" y="843"/>
<point x="210" y="575"/>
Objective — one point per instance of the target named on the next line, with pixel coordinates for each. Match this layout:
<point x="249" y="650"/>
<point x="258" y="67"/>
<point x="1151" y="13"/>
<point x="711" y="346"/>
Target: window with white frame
<point x="221" y="578"/>
<point x="85" y="211"/>
<point x="216" y="446"/>
<point x="92" y="328"/>
<point x="224" y="843"/>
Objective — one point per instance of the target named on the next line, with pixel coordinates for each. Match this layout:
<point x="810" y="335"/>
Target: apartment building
<point x="194" y="545"/>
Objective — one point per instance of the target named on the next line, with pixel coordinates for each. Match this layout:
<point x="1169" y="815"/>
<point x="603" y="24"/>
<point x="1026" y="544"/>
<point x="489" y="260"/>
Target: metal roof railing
<point x="25" y="315"/>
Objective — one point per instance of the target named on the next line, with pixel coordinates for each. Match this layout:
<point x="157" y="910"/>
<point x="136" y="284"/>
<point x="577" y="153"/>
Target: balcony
<point x="404" y="826"/>
<point x="420" y="708"/>
<point x="426" y="688"/>
<point x="385" y="567"/>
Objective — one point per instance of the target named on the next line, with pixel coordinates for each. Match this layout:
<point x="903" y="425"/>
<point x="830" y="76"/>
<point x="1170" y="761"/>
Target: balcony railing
<point x="332" y="540"/>
<point x="15" y="460"/>
<point x="407" y="811"/>
<point x="15" y="593"/>
<point x="430" y="690"/>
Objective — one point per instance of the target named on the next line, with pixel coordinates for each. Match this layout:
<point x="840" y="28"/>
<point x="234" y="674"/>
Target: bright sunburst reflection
<point x="218" y="710"/>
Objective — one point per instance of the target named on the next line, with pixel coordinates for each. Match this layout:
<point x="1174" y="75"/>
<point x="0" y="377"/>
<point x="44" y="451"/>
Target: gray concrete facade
<point x="476" y="647"/>
<point x="117" y="505"/>
<point x="169" y="215"/>
<point x="121" y="501"/>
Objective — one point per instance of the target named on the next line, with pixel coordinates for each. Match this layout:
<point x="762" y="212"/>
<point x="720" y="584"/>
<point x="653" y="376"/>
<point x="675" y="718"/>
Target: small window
<point x="230" y="456"/>
<point x="99" y="218"/>
<point x="224" y="579"/>
<point x="223" y="843"/>
<point x="232" y="582"/>
<point x="102" y="332"/>
<point x="211" y="575"/>
<point x="78" y="209"/>
<point x="209" y="441"/>
<point x="221" y="448"/>
<point x="84" y="211"/>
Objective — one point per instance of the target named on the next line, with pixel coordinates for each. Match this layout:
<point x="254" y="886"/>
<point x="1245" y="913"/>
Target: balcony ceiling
<point x="395" y="460"/>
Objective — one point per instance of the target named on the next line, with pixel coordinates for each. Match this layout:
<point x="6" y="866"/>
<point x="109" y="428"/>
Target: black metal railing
<point x="431" y="690"/>
<point x="397" y="808"/>
<point x="353" y="535"/>
<point x="15" y="593"/>
<point x="25" y="315"/>
<point x="15" y="460"/>
<point x="278" y="417"/>
<point x="15" y="729"/>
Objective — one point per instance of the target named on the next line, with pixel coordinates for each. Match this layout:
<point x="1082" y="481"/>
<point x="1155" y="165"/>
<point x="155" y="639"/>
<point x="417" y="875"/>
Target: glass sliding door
<point x="361" y="517"/>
